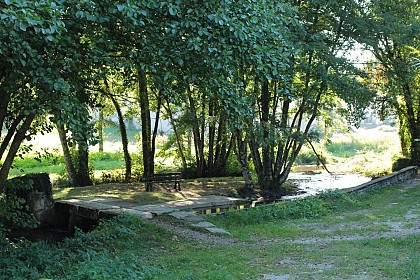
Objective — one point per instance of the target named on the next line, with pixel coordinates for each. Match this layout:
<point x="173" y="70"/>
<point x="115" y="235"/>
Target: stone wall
<point x="36" y="191"/>
<point x="401" y="175"/>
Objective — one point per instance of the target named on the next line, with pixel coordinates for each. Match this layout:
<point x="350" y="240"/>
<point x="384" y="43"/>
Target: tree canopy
<point x="246" y="77"/>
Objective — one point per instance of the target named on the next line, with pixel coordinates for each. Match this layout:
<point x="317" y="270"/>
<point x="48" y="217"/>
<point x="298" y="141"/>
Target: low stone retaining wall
<point x="401" y="175"/>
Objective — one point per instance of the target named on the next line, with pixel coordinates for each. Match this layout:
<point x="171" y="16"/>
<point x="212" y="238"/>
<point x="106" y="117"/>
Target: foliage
<point x="14" y="211"/>
<point x="307" y="157"/>
<point x="308" y="208"/>
<point x="353" y="147"/>
<point x="86" y="256"/>
<point x="394" y="76"/>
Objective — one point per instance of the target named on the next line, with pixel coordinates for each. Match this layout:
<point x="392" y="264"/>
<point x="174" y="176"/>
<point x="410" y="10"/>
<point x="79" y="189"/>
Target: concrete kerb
<point x="401" y="175"/>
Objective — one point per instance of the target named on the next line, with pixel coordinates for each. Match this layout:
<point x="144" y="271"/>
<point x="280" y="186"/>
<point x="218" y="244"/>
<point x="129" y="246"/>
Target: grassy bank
<point x="333" y="236"/>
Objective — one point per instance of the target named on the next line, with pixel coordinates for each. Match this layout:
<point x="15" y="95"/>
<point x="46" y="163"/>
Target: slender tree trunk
<point x="198" y="141"/>
<point x="124" y="137"/>
<point x="14" y="147"/>
<point x="9" y="135"/>
<point x="413" y="124"/>
<point x="242" y="156"/>
<point x="177" y="136"/>
<point x="212" y="132"/>
<point x="71" y="171"/>
<point x="146" y="137"/>
<point x="101" y="130"/>
<point x="403" y="134"/>
<point x="189" y="143"/>
<point x="156" y="125"/>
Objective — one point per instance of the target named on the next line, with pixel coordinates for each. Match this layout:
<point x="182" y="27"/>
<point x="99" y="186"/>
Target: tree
<point x="288" y="71"/>
<point x="28" y="85"/>
<point x="390" y="36"/>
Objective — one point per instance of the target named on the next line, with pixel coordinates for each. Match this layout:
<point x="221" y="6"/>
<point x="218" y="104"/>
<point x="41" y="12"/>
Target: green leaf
<point x="79" y="14"/>
<point x="172" y="11"/>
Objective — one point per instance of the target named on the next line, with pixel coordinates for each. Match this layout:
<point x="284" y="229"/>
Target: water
<point x="314" y="183"/>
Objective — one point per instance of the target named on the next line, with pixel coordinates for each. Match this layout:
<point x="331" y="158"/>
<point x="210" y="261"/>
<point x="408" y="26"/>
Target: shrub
<point x="400" y="163"/>
<point x="308" y="208"/>
<point x="233" y="167"/>
<point x="15" y="212"/>
<point x="86" y="256"/>
<point x="304" y="158"/>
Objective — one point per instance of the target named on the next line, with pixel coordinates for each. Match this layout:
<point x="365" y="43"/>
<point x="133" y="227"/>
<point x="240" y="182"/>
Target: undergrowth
<point x="86" y="256"/>
<point x="312" y="207"/>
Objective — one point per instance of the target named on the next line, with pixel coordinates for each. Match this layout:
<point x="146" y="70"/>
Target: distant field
<point x="366" y="151"/>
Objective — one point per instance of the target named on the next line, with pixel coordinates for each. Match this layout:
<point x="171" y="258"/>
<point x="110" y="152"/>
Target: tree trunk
<point x="71" y="171"/>
<point x="267" y="178"/>
<point x="198" y="141"/>
<point x="9" y="135"/>
<point x="14" y="147"/>
<point x="242" y="156"/>
<point x="124" y="137"/>
<point x="101" y="130"/>
<point x="413" y="124"/>
<point x="404" y="134"/>
<point x="156" y="125"/>
<point x="212" y="132"/>
<point x="177" y="136"/>
<point x="146" y="137"/>
<point x="83" y="176"/>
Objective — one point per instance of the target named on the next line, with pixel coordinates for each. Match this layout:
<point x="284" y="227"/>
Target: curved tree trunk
<point x="156" y="125"/>
<point x="177" y="136"/>
<point x="124" y="138"/>
<point x="71" y="171"/>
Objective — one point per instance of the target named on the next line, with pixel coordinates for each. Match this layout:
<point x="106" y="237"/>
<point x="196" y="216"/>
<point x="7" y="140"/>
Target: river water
<point x="312" y="184"/>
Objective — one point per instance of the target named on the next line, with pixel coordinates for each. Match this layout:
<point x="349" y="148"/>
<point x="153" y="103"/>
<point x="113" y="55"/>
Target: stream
<point x="312" y="184"/>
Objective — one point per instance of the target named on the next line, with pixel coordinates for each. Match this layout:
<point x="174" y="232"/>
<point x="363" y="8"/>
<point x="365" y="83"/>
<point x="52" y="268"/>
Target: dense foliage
<point x="86" y="256"/>
<point x="232" y="77"/>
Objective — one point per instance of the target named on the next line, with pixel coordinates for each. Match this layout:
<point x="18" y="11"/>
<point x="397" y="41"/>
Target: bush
<point x="308" y="208"/>
<point x="305" y="158"/>
<point x="190" y="171"/>
<point x="86" y="256"/>
<point x="401" y="163"/>
<point x="15" y="212"/>
<point x="233" y="167"/>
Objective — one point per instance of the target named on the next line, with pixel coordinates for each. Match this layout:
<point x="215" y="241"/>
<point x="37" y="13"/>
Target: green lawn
<point x="370" y="236"/>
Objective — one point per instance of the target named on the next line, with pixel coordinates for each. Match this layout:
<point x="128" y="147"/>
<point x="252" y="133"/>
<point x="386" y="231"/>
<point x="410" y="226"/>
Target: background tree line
<point x="247" y="78"/>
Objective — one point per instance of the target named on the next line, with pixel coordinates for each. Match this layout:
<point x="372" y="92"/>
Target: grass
<point x="54" y="164"/>
<point x="369" y="152"/>
<point x="336" y="236"/>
